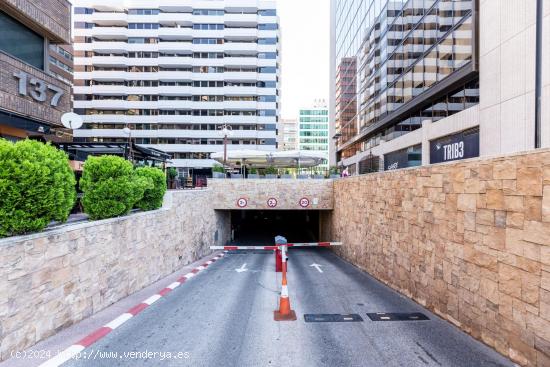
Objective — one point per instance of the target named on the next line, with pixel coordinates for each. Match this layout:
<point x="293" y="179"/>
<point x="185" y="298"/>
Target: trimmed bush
<point x="110" y="187"/>
<point x="37" y="185"/>
<point x="152" y="197"/>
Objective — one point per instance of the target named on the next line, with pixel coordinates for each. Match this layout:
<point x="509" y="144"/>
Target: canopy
<point x="281" y="159"/>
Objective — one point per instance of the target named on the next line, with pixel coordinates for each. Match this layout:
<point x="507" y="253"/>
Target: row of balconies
<point x="208" y="148"/>
<point x="166" y="133"/>
<point x="130" y="119"/>
<point x="172" y="76"/>
<point x="179" y="33"/>
<point x="192" y="105"/>
<point x="173" y="61"/>
<point x="170" y="18"/>
<point x="119" y="46"/>
<point x="173" y="90"/>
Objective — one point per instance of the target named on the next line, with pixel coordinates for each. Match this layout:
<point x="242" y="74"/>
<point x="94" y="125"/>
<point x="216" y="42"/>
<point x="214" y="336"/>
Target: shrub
<point x="153" y="196"/>
<point x="270" y="170"/>
<point x="37" y="185"/>
<point x="217" y="168"/>
<point x="172" y="173"/>
<point x="110" y="187"/>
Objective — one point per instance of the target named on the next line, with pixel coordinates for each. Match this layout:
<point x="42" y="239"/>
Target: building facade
<point x="175" y="74"/>
<point x="287" y="134"/>
<point x="32" y="98"/>
<point x="313" y="130"/>
<point x="411" y="80"/>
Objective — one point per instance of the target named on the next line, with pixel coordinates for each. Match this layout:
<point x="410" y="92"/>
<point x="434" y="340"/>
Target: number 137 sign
<point x="38" y="88"/>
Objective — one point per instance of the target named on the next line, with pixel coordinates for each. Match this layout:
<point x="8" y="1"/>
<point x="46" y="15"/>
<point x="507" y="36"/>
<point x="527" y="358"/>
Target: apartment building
<point x="287" y="134"/>
<point x="313" y="130"/>
<point x="429" y="81"/>
<point x="32" y="98"/>
<point x="176" y="74"/>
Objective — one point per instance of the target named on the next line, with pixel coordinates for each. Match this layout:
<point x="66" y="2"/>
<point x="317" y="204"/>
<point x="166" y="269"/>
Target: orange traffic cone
<point x="284" y="313"/>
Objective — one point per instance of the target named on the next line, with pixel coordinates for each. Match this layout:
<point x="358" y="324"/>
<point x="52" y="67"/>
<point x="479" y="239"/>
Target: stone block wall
<point x="286" y="192"/>
<point x="53" y="279"/>
<point x="468" y="240"/>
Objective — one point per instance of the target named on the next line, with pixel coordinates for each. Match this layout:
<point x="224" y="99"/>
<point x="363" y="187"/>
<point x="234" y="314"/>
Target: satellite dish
<point x="71" y="120"/>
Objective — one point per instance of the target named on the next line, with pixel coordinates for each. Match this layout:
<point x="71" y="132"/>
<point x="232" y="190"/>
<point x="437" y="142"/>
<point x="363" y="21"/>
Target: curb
<point x="93" y="337"/>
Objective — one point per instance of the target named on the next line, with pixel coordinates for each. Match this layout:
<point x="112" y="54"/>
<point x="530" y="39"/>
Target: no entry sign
<point x="272" y="202"/>
<point x="242" y="202"/>
<point x="304" y="202"/>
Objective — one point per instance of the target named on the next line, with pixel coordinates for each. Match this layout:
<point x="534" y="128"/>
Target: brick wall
<point x="469" y="240"/>
<point x="53" y="279"/>
<point x="50" y="18"/>
<point x="12" y="101"/>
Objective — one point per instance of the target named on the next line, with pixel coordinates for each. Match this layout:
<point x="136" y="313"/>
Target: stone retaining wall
<point x="468" y="240"/>
<point x="287" y="194"/>
<point x="53" y="279"/>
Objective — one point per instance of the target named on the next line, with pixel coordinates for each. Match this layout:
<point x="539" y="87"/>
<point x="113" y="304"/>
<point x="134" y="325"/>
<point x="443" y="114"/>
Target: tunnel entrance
<point x="259" y="227"/>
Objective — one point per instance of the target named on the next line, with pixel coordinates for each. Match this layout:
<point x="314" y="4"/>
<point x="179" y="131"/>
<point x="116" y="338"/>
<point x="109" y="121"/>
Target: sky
<point x="305" y="50"/>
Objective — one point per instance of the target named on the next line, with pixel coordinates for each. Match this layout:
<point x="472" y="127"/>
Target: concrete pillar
<point x="426" y="124"/>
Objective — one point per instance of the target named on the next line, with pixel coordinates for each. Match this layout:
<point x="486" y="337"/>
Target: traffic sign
<point x="242" y="202"/>
<point x="304" y="202"/>
<point x="272" y="202"/>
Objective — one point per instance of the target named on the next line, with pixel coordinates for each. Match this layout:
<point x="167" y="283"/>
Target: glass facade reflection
<point x="393" y="58"/>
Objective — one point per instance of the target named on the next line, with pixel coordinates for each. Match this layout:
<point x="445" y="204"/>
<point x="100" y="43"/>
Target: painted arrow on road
<point x="317" y="266"/>
<point x="241" y="269"/>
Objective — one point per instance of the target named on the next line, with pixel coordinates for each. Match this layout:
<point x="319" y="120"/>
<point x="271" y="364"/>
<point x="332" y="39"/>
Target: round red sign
<point x="304" y="202"/>
<point x="272" y="202"/>
<point x="242" y="202"/>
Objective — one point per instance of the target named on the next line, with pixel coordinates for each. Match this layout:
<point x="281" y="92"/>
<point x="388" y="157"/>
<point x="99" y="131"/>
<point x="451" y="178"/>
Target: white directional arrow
<point x="241" y="269"/>
<point x="317" y="266"/>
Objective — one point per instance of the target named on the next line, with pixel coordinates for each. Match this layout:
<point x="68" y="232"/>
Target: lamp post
<point x="128" y="131"/>
<point x="226" y="131"/>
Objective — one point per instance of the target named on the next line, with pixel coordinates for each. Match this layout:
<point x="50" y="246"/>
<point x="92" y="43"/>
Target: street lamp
<point x="128" y="131"/>
<point x="226" y="131"/>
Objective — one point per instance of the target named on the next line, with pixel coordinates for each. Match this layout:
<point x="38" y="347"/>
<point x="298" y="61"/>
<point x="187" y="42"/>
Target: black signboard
<point x="455" y="147"/>
<point x="396" y="160"/>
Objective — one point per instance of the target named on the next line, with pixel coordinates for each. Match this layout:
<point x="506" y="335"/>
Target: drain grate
<point x="397" y="316"/>
<point x="332" y="317"/>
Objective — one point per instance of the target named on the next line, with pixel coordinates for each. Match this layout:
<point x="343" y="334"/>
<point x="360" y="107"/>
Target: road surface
<point x="224" y="317"/>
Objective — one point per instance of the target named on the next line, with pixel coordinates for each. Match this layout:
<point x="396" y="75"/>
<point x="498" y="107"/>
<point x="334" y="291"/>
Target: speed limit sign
<point x="304" y="202"/>
<point x="272" y="202"/>
<point x="242" y="202"/>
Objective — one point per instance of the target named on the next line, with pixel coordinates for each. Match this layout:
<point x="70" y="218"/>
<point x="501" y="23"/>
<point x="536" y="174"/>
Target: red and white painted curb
<point x="78" y="347"/>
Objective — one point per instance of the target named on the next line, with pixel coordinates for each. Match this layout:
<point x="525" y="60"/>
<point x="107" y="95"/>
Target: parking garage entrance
<point x="259" y="227"/>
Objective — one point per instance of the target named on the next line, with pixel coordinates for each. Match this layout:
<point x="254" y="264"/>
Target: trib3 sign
<point x="454" y="147"/>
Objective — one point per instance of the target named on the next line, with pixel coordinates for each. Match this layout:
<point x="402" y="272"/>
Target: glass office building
<point x="397" y="63"/>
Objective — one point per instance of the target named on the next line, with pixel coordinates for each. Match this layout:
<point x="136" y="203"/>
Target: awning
<point x="80" y="151"/>
<point x="282" y="159"/>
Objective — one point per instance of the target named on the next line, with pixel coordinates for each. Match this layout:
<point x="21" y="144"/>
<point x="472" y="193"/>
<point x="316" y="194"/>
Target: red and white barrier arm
<point x="274" y="247"/>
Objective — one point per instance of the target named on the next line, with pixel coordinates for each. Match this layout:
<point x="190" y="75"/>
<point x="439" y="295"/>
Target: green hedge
<point x="153" y="196"/>
<point x="110" y="186"/>
<point x="37" y="185"/>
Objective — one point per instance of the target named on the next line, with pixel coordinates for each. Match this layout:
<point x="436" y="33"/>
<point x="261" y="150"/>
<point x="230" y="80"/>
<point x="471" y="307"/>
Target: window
<point x="267" y="98"/>
<point x="80" y="10"/>
<point x="207" y="41"/>
<point x="267" y="41"/>
<point x="268" y="26"/>
<point x="143" y="11"/>
<point x="208" y="26"/>
<point x="143" y="26"/>
<point x="262" y="84"/>
<point x="267" y="12"/>
<point x="20" y="42"/>
<point x="208" y="12"/>
<point x="268" y="70"/>
<point x="267" y="55"/>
